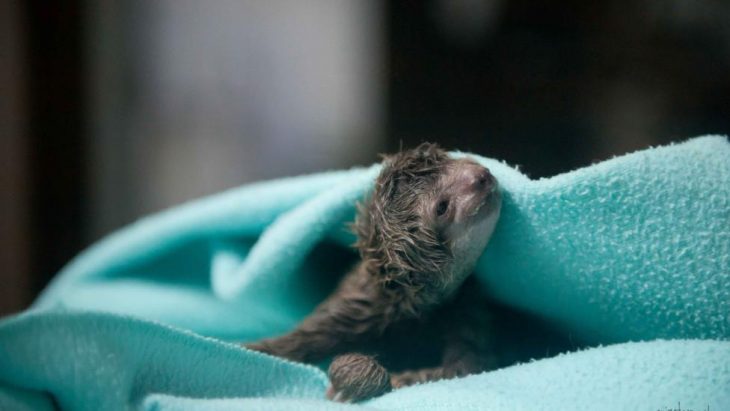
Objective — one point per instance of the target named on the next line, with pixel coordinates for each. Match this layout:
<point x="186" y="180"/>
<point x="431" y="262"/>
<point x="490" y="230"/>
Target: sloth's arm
<point x="348" y="316"/>
<point x="314" y="339"/>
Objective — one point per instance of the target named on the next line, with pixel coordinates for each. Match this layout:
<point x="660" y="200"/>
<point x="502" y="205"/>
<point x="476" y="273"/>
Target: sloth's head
<point x="429" y="218"/>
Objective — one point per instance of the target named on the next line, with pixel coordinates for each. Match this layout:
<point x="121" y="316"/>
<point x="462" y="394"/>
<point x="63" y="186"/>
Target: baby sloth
<point x="410" y="303"/>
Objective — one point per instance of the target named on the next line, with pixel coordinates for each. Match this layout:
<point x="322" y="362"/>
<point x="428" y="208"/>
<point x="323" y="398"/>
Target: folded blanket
<point x="634" y="248"/>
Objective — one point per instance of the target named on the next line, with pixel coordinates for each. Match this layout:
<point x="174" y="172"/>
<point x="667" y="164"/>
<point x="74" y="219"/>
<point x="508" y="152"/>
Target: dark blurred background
<point x="113" y="109"/>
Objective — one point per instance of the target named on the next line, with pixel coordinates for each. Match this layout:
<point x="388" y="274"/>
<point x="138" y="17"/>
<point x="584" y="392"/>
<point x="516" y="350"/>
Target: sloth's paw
<point x="357" y="377"/>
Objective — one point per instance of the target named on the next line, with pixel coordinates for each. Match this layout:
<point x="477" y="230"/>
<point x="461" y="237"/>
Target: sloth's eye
<point x="441" y="207"/>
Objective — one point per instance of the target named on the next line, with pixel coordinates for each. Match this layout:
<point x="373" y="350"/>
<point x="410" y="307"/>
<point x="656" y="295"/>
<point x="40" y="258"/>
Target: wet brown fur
<point x="390" y="304"/>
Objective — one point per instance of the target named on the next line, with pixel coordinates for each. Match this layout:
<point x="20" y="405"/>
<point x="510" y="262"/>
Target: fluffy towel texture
<point x="634" y="248"/>
<point x="91" y="361"/>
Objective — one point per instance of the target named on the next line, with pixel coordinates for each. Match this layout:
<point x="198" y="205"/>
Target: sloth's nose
<point x="481" y="179"/>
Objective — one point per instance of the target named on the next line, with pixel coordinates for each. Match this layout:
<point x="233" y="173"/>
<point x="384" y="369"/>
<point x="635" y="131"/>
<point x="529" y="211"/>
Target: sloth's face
<point x="466" y="194"/>
<point x="463" y="209"/>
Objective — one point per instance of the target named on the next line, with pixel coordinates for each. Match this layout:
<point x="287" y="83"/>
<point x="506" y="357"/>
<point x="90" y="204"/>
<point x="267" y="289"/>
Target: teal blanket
<point x="630" y="256"/>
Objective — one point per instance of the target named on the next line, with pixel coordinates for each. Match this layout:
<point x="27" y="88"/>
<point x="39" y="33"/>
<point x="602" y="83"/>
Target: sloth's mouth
<point x="477" y="208"/>
<point x="486" y="202"/>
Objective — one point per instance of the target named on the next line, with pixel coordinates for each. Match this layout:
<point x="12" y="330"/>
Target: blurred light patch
<point x="189" y="99"/>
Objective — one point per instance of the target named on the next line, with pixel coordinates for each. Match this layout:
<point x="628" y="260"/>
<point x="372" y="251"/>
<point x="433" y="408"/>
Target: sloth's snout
<point x="478" y="179"/>
<point x="483" y="180"/>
